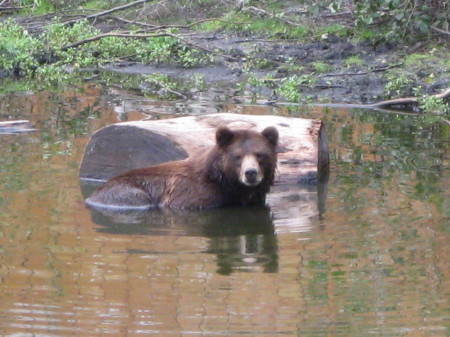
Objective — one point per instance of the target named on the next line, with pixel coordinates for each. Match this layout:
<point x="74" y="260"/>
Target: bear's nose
<point x="250" y="174"/>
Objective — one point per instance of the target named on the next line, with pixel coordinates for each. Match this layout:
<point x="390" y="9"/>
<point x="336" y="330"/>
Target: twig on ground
<point x="262" y="12"/>
<point x="137" y="23"/>
<point x="175" y="92"/>
<point x="436" y="29"/>
<point x="107" y="12"/>
<point x="376" y="70"/>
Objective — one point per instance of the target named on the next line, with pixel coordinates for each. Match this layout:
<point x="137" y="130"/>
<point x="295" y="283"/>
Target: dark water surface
<point x="374" y="260"/>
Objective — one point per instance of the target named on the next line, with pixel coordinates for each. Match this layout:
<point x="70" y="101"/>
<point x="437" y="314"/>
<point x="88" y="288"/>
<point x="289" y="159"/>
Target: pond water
<point x="371" y="258"/>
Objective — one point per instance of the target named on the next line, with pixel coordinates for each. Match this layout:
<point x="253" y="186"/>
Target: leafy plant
<point x="199" y="82"/>
<point x="39" y="6"/>
<point x="24" y="54"/>
<point x="290" y="66"/>
<point x="271" y="27"/>
<point x="433" y="104"/>
<point x="336" y="29"/>
<point x="51" y="76"/>
<point x="289" y="89"/>
<point x="394" y="20"/>
<point x="355" y="61"/>
<point x="17" y="48"/>
<point x="413" y="60"/>
<point x="161" y="85"/>
<point x="58" y="35"/>
<point x="397" y="83"/>
<point x="321" y="67"/>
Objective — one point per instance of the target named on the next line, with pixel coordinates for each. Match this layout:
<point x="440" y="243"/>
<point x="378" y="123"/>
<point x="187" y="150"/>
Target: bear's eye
<point x="237" y="157"/>
<point x="260" y="156"/>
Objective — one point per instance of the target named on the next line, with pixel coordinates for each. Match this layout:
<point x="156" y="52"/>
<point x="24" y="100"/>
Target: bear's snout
<point x="250" y="174"/>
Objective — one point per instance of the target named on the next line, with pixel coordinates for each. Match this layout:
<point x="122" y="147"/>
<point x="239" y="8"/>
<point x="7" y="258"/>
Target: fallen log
<point x="302" y="150"/>
<point x="300" y="183"/>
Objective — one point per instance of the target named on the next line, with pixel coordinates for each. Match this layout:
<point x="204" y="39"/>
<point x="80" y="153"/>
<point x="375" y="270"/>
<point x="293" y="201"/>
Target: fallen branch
<point x="107" y="12"/>
<point x="407" y="100"/>
<point x="153" y="27"/>
<point x="264" y="13"/>
<point x="6" y="9"/>
<point x="136" y="23"/>
<point x="142" y="36"/>
<point x="176" y="93"/>
<point x="115" y="34"/>
<point x="436" y="29"/>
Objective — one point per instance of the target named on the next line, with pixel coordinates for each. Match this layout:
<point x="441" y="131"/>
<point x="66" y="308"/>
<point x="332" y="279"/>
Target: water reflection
<point x="243" y="238"/>
<point x="375" y="263"/>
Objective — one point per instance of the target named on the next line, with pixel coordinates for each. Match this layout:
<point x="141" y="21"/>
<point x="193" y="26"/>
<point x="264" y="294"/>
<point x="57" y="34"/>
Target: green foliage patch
<point x="433" y="104"/>
<point x="17" y="48"/>
<point x="397" y="83"/>
<point x="24" y="54"/>
<point x="395" y="20"/>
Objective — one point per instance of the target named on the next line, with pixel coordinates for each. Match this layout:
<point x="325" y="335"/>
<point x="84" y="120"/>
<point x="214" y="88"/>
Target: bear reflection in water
<point x="238" y="170"/>
<point x="243" y="238"/>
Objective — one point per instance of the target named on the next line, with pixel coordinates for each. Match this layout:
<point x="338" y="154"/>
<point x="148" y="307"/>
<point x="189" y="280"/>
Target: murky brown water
<point x="375" y="263"/>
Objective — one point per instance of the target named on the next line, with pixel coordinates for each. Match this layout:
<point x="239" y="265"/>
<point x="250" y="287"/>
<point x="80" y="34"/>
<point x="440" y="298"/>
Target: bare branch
<point x="262" y="12"/>
<point x="137" y="23"/>
<point x="109" y="11"/>
<point x="436" y="29"/>
<point x="153" y="27"/>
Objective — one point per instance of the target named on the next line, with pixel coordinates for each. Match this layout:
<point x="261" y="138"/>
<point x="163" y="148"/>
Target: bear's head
<point x="247" y="157"/>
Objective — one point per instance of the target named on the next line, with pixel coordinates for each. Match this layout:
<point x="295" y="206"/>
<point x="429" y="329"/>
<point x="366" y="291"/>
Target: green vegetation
<point x="49" y="52"/>
<point x="394" y="20"/>
<point x="336" y="29"/>
<point x="436" y="57"/>
<point x="165" y="87"/>
<point x="321" y="67"/>
<point x="412" y="60"/>
<point x="289" y="87"/>
<point x="276" y="46"/>
<point x="398" y="82"/>
<point x="353" y="61"/>
<point x="17" y="48"/>
<point x="433" y="104"/>
<point x="272" y="27"/>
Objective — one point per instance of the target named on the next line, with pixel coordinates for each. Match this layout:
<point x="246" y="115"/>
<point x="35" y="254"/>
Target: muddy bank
<point x="333" y="70"/>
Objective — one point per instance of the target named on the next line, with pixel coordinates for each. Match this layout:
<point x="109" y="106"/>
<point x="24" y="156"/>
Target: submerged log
<point x="302" y="149"/>
<point x="15" y="126"/>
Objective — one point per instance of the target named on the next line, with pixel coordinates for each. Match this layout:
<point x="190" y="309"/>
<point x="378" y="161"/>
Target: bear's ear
<point x="271" y="134"/>
<point x="224" y="136"/>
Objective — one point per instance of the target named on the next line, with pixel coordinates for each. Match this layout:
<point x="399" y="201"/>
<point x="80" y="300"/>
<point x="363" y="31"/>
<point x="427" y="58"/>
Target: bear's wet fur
<point x="238" y="170"/>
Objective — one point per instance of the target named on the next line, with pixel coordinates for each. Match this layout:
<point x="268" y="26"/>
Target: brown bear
<point x="238" y="170"/>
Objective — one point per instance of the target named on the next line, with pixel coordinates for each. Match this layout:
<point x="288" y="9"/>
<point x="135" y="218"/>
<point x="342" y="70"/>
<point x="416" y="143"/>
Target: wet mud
<point x="341" y="81"/>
